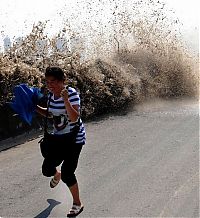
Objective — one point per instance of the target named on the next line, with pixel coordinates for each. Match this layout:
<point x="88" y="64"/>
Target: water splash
<point x="116" y="54"/>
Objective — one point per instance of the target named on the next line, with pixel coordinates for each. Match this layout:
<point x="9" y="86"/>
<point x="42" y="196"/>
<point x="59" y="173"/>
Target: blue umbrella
<point x="25" y="101"/>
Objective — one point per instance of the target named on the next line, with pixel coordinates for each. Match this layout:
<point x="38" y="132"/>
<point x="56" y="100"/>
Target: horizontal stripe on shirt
<point x="57" y="108"/>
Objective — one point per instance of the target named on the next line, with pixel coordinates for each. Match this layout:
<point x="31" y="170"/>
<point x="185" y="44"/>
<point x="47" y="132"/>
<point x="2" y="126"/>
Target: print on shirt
<point x="60" y="122"/>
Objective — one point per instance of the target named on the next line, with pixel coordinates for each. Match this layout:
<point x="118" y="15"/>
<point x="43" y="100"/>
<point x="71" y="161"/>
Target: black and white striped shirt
<point x="61" y="122"/>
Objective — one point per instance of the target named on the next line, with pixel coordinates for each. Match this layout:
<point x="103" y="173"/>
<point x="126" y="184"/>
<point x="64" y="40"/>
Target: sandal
<point x="54" y="182"/>
<point x="75" y="210"/>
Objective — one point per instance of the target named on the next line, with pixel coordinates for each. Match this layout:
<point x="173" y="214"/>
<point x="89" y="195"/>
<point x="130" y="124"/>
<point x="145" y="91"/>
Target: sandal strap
<point x="54" y="182"/>
<point x="75" y="210"/>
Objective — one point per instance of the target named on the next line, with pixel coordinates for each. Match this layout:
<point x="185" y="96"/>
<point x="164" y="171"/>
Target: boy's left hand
<point x="64" y="94"/>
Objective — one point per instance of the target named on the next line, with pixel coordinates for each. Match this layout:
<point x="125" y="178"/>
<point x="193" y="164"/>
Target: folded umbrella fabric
<point x="25" y="101"/>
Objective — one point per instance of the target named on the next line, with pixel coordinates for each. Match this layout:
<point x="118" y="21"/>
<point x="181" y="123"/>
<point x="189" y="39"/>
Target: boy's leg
<point x="68" y="171"/>
<point x="68" y="176"/>
<point x="74" y="189"/>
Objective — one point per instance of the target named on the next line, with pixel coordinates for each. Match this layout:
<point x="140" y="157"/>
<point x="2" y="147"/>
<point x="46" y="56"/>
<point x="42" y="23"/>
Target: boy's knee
<point x="48" y="171"/>
<point x="69" y="180"/>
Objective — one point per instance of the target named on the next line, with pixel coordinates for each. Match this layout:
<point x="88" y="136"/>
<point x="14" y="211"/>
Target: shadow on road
<point x="46" y="212"/>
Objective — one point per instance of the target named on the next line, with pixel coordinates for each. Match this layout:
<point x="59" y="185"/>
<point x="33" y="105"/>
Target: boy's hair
<point x="56" y="72"/>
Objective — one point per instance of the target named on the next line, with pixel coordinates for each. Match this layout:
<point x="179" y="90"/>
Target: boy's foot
<point x="55" y="180"/>
<point x="75" y="210"/>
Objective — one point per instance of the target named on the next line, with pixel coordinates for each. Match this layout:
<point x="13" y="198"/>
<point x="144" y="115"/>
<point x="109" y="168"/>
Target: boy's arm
<point x="41" y="110"/>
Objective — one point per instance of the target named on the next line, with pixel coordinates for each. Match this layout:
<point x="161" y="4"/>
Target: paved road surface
<point x="141" y="164"/>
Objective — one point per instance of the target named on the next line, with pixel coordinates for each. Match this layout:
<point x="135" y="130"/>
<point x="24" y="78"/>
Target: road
<point x="140" y="163"/>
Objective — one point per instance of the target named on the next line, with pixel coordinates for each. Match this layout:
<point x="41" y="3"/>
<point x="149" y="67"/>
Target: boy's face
<point x="54" y="85"/>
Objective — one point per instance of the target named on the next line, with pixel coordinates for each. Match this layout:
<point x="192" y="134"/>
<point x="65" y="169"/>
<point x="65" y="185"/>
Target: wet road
<point x="144" y="163"/>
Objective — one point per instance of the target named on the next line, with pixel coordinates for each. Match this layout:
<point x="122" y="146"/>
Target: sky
<point x="188" y="13"/>
<point x="186" y="10"/>
<point x="18" y="16"/>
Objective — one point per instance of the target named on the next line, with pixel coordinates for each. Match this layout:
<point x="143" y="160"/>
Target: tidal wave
<point x="134" y="53"/>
